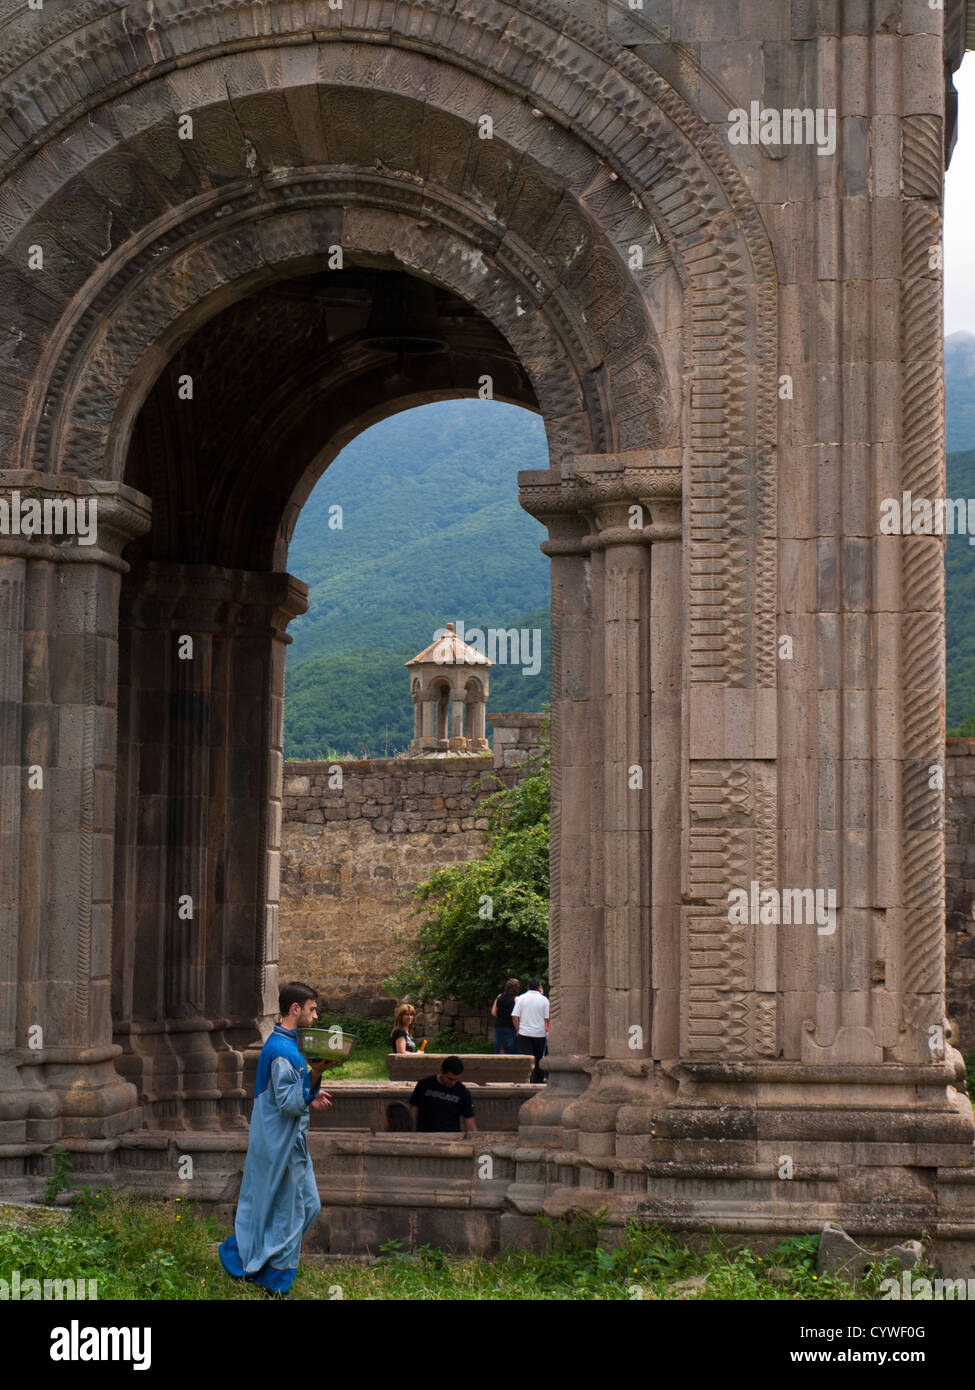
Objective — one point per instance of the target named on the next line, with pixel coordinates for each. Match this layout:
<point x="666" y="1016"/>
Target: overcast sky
<point x="960" y="209"/>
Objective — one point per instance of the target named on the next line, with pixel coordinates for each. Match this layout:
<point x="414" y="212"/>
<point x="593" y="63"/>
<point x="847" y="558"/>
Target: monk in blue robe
<point x="279" y="1195"/>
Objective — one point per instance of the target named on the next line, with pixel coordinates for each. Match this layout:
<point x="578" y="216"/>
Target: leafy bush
<point x="62" y="1167"/>
<point x="462" y="954"/>
<point x="371" y="1032"/>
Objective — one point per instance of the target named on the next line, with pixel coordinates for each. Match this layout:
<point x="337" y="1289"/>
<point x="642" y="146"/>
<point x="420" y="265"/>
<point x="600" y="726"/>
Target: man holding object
<point x="278" y="1194"/>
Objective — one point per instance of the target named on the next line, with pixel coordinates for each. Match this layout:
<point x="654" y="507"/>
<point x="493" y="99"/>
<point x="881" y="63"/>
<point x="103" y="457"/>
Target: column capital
<point x="210" y="598"/>
<point x="595" y="492"/>
<point x="611" y="485"/>
<point x="554" y="502"/>
<point x="45" y="516"/>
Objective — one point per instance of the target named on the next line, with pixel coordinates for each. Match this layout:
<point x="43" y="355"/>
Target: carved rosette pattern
<point x="922" y="672"/>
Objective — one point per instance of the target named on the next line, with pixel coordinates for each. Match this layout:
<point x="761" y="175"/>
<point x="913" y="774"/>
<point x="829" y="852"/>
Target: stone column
<point x="613" y="508"/>
<point x="475" y="722"/>
<point x="198" y="885"/>
<point x="479" y="735"/>
<point x="573" y="909"/>
<point x="15" y="1099"/>
<point x="59" y="606"/>
<point x="429" y="724"/>
<point x="458" y="742"/>
<point x="442" y="721"/>
<point x="633" y="500"/>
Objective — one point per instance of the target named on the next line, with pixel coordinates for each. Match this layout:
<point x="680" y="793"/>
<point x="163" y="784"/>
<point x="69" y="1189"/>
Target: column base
<point x="67" y="1093"/>
<point x="540" y="1120"/>
<point x="188" y="1074"/>
<point x="772" y="1149"/>
<point x="29" y="1112"/>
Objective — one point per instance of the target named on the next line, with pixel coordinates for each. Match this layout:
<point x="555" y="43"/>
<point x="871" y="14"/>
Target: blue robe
<point x="278" y="1194"/>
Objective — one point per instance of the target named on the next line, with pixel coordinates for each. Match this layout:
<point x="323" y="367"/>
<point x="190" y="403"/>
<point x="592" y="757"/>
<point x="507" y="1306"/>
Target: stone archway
<point x="618" y="263"/>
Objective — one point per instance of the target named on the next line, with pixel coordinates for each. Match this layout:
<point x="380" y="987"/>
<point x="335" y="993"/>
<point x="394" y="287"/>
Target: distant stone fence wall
<point x="356" y="837"/>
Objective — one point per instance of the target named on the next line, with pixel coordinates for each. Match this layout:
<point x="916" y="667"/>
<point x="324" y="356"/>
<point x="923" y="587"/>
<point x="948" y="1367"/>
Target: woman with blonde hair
<point x="402" y="1035"/>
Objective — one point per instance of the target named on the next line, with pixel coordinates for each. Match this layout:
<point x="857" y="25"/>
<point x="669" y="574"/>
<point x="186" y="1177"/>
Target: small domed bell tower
<point x="449" y="682"/>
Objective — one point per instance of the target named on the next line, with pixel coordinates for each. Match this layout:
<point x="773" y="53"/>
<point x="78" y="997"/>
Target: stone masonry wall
<point x="350" y="855"/>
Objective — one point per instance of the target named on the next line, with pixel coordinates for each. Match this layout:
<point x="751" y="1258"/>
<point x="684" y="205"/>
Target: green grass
<point x="152" y="1250"/>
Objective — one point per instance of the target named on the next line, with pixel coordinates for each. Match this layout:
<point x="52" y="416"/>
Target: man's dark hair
<point x="534" y="984"/>
<point x="294" y="993"/>
<point x="452" y="1064"/>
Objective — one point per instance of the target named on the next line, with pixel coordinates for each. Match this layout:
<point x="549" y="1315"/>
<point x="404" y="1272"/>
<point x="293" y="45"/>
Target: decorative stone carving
<point x="631" y="271"/>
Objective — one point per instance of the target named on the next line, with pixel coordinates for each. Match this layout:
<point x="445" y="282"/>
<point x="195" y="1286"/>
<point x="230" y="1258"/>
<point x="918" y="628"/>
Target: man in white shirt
<point x="530" y="1019"/>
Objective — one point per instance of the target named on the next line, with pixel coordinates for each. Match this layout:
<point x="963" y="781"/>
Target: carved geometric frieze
<point x="718" y="790"/>
<point x="728" y="968"/>
<point x="715" y="1006"/>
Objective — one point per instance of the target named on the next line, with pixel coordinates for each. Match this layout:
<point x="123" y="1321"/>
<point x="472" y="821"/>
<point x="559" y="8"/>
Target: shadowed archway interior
<point x="280" y="383"/>
<point x="231" y="438"/>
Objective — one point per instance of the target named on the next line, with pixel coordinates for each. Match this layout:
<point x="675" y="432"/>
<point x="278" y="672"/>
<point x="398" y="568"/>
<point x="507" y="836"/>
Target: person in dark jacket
<point x="505" y="1037"/>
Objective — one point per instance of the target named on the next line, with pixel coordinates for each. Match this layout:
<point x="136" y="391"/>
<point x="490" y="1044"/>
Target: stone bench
<point x="479" y="1067"/>
<point x="360" y="1106"/>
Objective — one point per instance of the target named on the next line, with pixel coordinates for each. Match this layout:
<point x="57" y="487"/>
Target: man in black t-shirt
<point x="441" y="1103"/>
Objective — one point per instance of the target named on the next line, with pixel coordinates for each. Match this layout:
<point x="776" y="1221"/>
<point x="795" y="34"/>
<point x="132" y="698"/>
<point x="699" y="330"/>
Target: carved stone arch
<point x="573" y="251"/>
<point x="263" y="192"/>
<point x="558" y="62"/>
<point x="676" y="169"/>
<point x="685" y="209"/>
<point x="181" y="291"/>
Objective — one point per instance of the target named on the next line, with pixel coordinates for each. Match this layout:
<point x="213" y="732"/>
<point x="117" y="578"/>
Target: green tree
<point x="966" y="729"/>
<point x="487" y="919"/>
